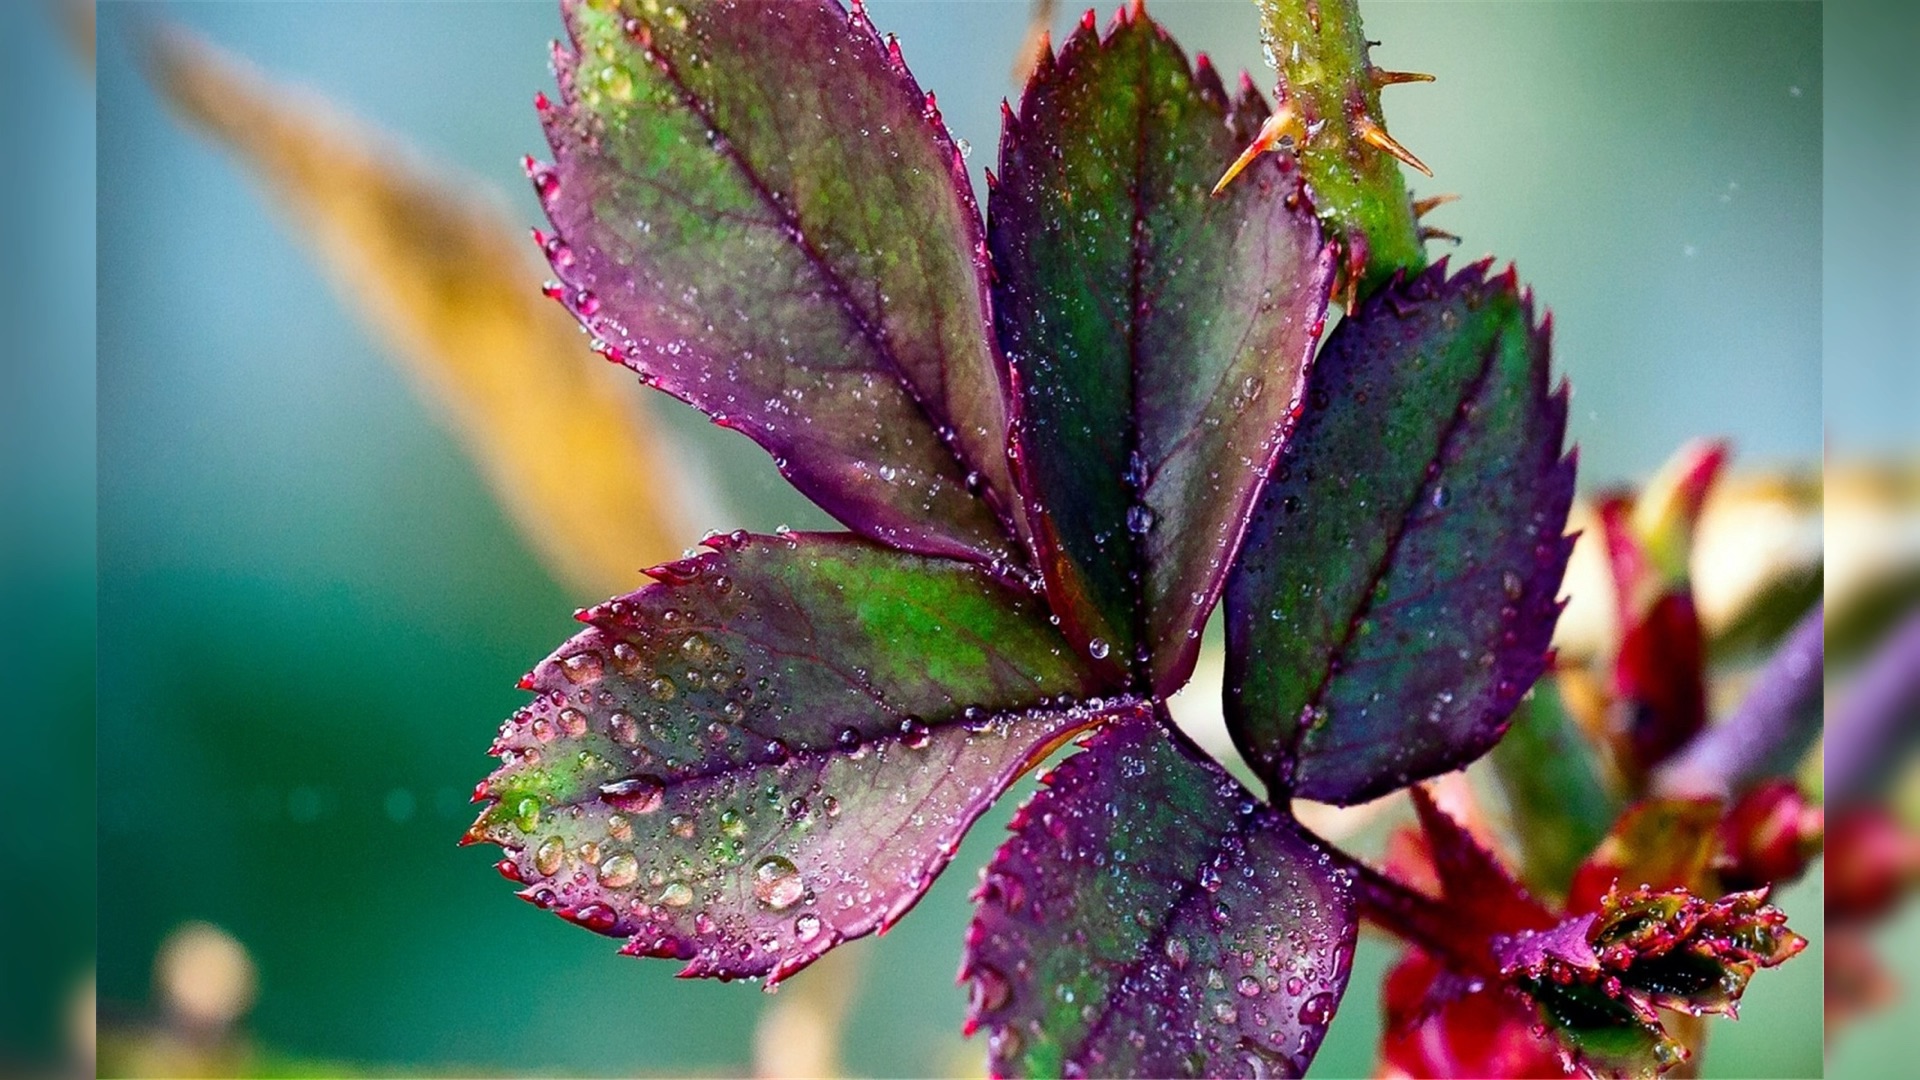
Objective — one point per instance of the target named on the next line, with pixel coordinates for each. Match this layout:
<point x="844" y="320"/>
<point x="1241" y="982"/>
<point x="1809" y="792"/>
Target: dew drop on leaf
<point x="777" y="884"/>
<point x="619" y="871"/>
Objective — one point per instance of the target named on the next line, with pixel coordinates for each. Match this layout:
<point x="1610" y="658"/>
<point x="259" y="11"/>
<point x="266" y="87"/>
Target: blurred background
<point x="312" y="605"/>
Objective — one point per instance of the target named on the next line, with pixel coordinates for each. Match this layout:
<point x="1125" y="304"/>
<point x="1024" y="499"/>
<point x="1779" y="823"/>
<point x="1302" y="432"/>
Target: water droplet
<point x="1177" y="954"/>
<point x="676" y="894"/>
<point x="1248" y="986"/>
<point x="1097" y="649"/>
<point x="1441" y="497"/>
<point x="1224" y="1012"/>
<point x="1317" y="1010"/>
<point x="914" y="734"/>
<point x="526" y="814"/>
<point x="573" y="722"/>
<point x="634" y="794"/>
<point x="547" y="858"/>
<point x="619" y="871"/>
<point x="581" y="667"/>
<point x="1514" y="587"/>
<point x="990" y="990"/>
<point x="777" y="884"/>
<point x="1140" y="519"/>
<point x="807" y="927"/>
<point x="662" y="689"/>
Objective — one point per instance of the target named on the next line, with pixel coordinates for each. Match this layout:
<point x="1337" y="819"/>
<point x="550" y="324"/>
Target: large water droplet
<point x="546" y="858"/>
<point x="619" y="871"/>
<point x="1097" y="649"/>
<point x="990" y="990"/>
<point x="777" y="884"/>
<point x="634" y="794"/>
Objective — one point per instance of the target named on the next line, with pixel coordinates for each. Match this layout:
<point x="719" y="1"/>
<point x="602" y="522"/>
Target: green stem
<point x="1326" y="78"/>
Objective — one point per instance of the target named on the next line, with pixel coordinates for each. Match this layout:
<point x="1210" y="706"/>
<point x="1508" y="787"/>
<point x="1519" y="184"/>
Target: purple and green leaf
<point x="775" y="747"/>
<point x="1151" y="917"/>
<point x="1159" y="338"/>
<point x="1398" y="591"/>
<point x="761" y="212"/>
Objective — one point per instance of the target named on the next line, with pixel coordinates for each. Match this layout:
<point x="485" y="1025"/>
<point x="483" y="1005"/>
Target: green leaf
<point x="776" y="747"/>
<point x="1398" y="591"/>
<point x="1159" y="338"/>
<point x="1150" y="917"/>
<point x="1559" y="803"/>
<point x="761" y="212"/>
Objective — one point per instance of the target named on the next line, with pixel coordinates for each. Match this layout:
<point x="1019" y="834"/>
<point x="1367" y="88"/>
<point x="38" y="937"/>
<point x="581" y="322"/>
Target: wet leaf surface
<point x="761" y="212"/>
<point x="776" y="747"/>
<point x="1398" y="589"/>
<point x="1160" y="338"/>
<point x="1150" y="917"/>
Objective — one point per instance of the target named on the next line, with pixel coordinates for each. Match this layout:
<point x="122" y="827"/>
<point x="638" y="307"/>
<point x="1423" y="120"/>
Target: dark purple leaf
<point x="761" y="212"/>
<point x="1150" y="917"/>
<point x="1160" y="338"/>
<point x="776" y="747"/>
<point x="1398" y="590"/>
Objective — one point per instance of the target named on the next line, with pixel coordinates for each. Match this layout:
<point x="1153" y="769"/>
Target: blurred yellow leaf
<point x="451" y="282"/>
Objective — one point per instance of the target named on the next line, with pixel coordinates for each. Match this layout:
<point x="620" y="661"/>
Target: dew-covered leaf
<point x="1151" y="917"/>
<point x="1159" y="338"/>
<point x="761" y="213"/>
<point x="775" y="747"/>
<point x="1397" y="593"/>
<point x="443" y="275"/>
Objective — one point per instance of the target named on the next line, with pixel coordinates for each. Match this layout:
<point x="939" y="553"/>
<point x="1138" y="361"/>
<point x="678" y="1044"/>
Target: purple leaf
<point x="761" y="212"/>
<point x="1159" y="338"/>
<point x="1150" y="917"/>
<point x="776" y="747"/>
<point x="1398" y="590"/>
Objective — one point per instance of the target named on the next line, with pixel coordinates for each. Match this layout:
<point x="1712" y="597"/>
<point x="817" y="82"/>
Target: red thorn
<point x="540" y="101"/>
<point x="1087" y="20"/>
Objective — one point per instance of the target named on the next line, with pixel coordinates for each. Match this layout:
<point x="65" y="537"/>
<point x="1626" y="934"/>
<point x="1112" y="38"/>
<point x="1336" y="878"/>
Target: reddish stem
<point x="1415" y="917"/>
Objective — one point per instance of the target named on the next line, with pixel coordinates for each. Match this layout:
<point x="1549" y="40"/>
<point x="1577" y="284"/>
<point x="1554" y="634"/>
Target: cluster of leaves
<point x="1060" y="436"/>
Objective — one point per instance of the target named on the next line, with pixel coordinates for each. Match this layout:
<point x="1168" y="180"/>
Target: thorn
<point x="1087" y="20"/>
<point x="1283" y="123"/>
<point x="1427" y="232"/>
<point x="1382" y="77"/>
<point x="1375" y="135"/>
<point x="1422" y="206"/>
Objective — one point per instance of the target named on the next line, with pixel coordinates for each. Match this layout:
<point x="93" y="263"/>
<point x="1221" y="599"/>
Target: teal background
<point x="311" y="610"/>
